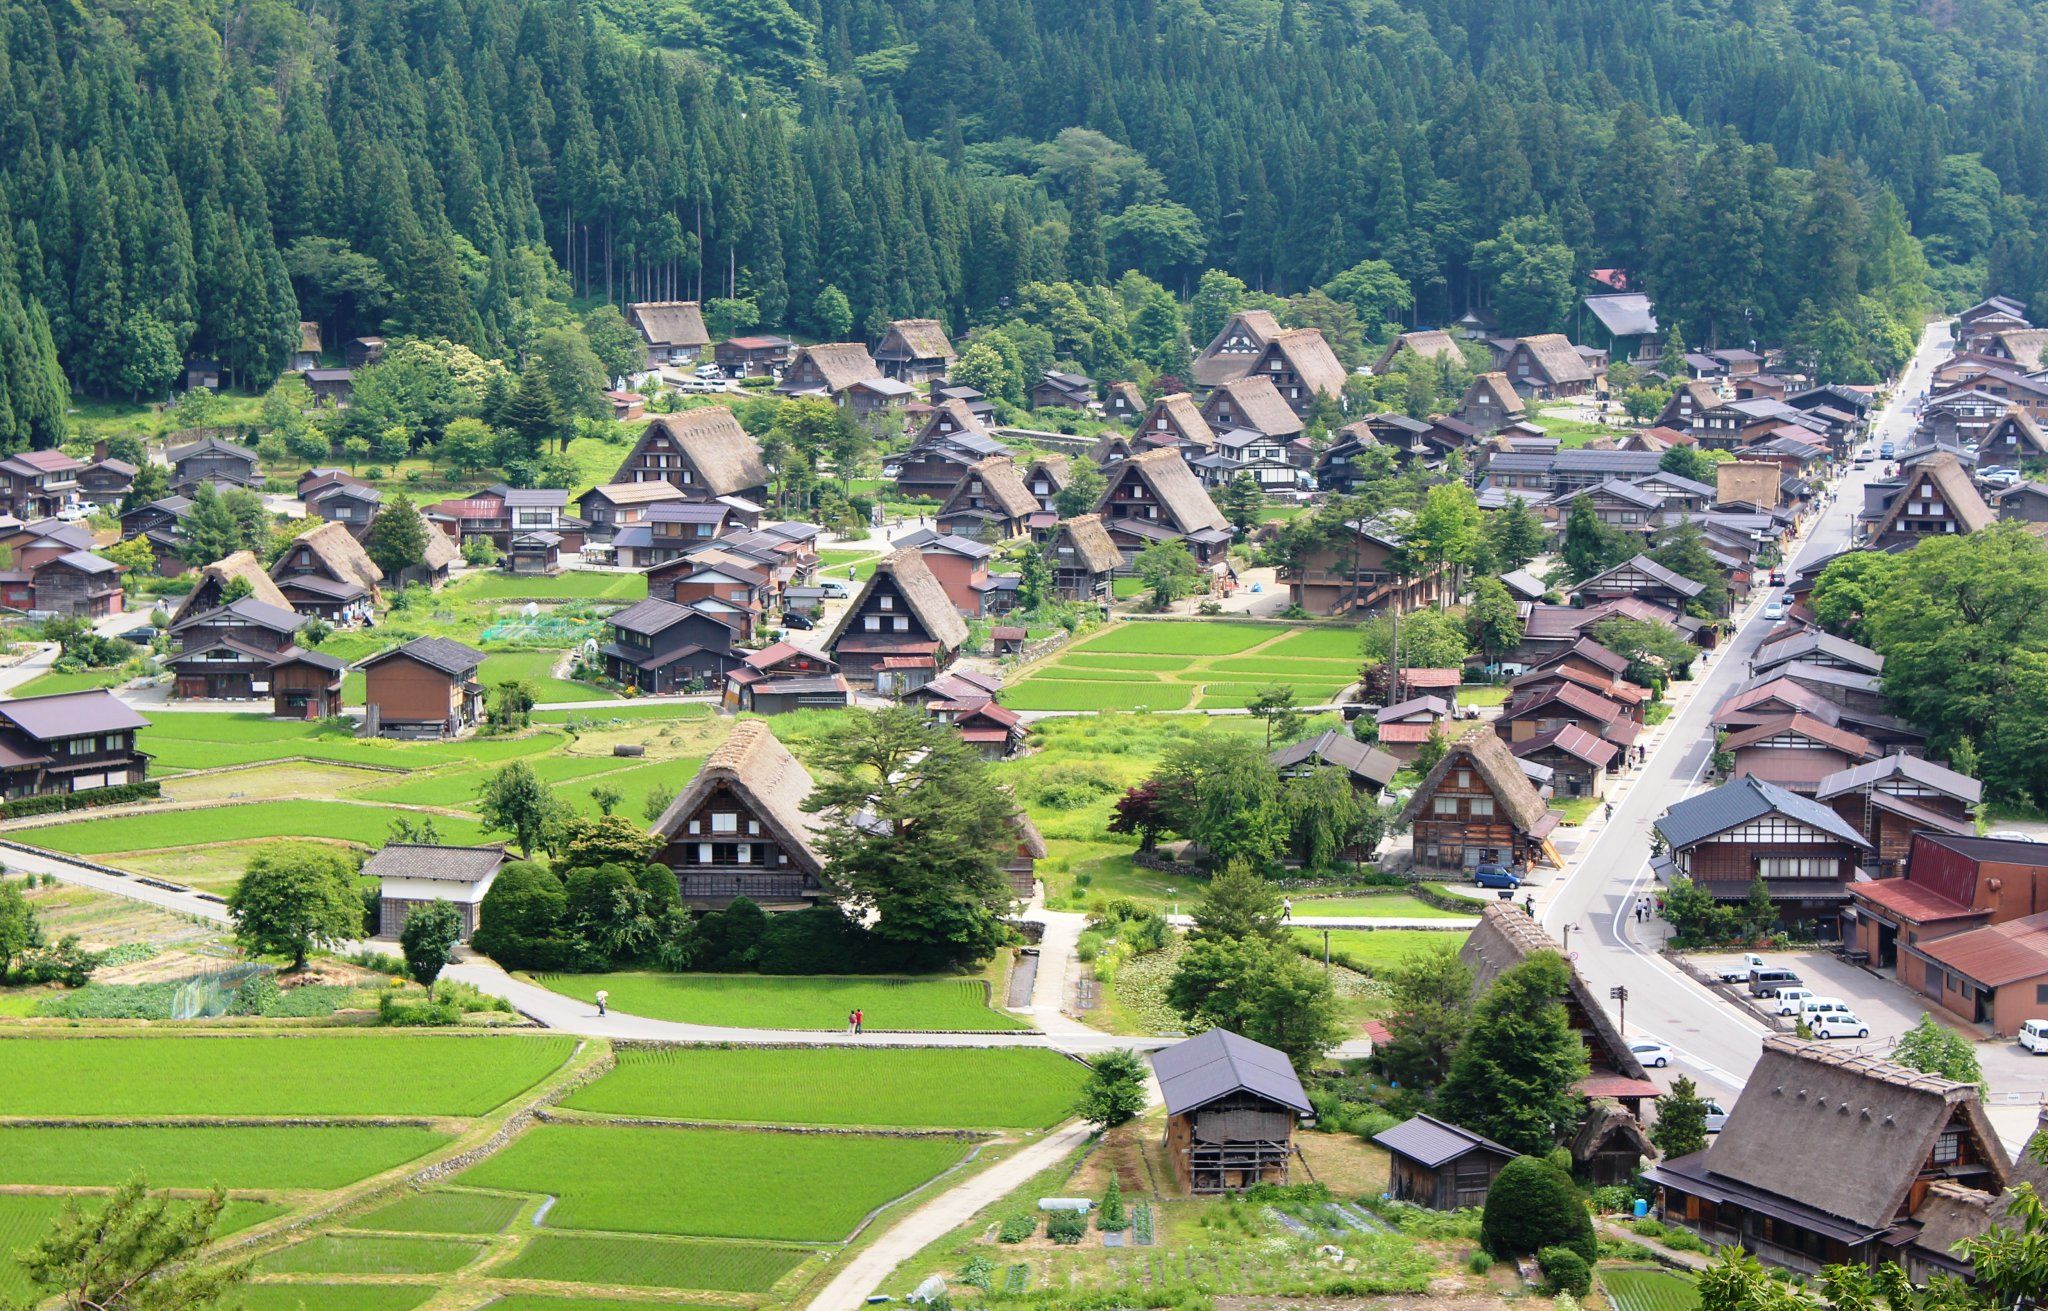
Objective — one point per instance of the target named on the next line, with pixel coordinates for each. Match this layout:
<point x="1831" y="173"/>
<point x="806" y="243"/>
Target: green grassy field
<point x="536" y="668"/>
<point x="755" y="1001"/>
<point x="327" y="1297"/>
<point x="1375" y="950"/>
<point x="443" y="1212"/>
<point x="330" y="1254"/>
<point x="1393" y="905"/>
<point x="245" y="1156"/>
<point x="652" y="1263"/>
<point x="572" y="586"/>
<point x="938" y="1087"/>
<point x="1159" y="665"/>
<point x="712" y="1183"/>
<point x="263" y="819"/>
<point x="1643" y="1289"/>
<point x="536" y="1302"/>
<point x="669" y="710"/>
<point x="342" y="1074"/>
<point x="457" y="788"/>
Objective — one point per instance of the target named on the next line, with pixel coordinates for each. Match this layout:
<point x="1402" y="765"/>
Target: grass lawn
<point x="327" y="1297"/>
<point x="536" y="668"/>
<point x="345" y="1074"/>
<point x="1656" y="713"/>
<point x="1393" y="905"/>
<point x="1125" y="589"/>
<point x="1372" y="951"/>
<point x="243" y="1156"/>
<point x="712" y="1183"/>
<point x="297" y="778"/>
<point x="1642" y="1289"/>
<point x="1483" y="694"/>
<point x="691" y="710"/>
<point x="24" y="1218"/>
<point x="650" y="1263"/>
<point x="536" y="1302"/>
<point x="85" y="680"/>
<point x="444" y="1212"/>
<point x="1575" y="809"/>
<point x="338" y="820"/>
<point x="758" y="1001"/>
<point x="331" y="1254"/>
<point x="832" y="564"/>
<point x="937" y="1087"/>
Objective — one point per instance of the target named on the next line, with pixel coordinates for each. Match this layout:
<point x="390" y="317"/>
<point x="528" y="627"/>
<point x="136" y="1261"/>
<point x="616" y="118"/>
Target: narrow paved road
<point x="1715" y="1044"/>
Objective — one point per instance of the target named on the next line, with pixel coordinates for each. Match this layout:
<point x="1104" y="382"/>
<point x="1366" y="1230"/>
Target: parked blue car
<point x="1493" y="876"/>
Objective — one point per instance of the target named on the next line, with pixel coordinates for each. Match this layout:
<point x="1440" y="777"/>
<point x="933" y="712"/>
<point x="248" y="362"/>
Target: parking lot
<point x="2016" y="1076"/>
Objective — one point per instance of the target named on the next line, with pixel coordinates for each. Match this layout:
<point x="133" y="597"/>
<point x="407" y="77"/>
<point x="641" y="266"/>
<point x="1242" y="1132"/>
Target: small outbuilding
<point x="1231" y="1107"/>
<point x="1434" y="1164"/>
<point x="413" y="874"/>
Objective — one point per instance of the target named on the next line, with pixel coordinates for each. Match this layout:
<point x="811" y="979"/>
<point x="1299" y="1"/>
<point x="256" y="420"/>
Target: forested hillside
<point x="191" y="179"/>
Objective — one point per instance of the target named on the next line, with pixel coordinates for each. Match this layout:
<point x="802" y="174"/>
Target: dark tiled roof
<point x="1217" y="1063"/>
<point x="1736" y="803"/>
<point x="1430" y="1142"/>
<point x="68" y="714"/>
<point x="444" y="654"/>
<point x="420" y="860"/>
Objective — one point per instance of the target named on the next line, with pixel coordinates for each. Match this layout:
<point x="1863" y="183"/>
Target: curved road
<point x="1714" y="1042"/>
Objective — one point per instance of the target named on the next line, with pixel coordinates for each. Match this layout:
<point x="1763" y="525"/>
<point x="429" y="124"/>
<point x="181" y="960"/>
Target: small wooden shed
<point x="1437" y="1165"/>
<point x="1231" y="1106"/>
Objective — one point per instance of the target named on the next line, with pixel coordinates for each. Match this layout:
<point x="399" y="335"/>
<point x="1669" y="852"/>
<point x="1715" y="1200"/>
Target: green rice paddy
<point x="1643" y="1289"/>
<point x="444" y="1212"/>
<point x="26" y="1217"/>
<point x="652" y="1263"/>
<point x="327" y="1297"/>
<point x="333" y="1254"/>
<point x="1374" y="951"/>
<point x="940" y="1087"/>
<point x="240" y="1156"/>
<point x="820" y="1001"/>
<point x="713" y="1183"/>
<point x="263" y="1074"/>
<point x="1170" y="665"/>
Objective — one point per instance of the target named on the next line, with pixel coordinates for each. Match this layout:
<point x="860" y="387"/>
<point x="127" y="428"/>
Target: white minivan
<point x="2034" y="1036"/>
<point x="1788" y="1000"/>
<point x="1812" y="1008"/>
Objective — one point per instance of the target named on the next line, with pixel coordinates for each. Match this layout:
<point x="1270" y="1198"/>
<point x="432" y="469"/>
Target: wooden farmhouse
<point x="1746" y="829"/>
<point x="611" y="507"/>
<point x="1477" y="807"/>
<point x="105" y="479"/>
<point x="414" y="874"/>
<point x="781" y="677"/>
<point x="1084" y="559"/>
<point x="1231" y="1107"/>
<point x="2015" y="441"/>
<point x="69" y="742"/>
<point x="1891" y="800"/>
<point x="740" y="830"/>
<point x="1175" y="422"/>
<point x="1067" y="391"/>
<point x="900" y="631"/>
<point x="425" y="688"/>
<point x="214" y="579"/>
<point x="1491" y="403"/>
<point x="327" y="574"/>
<point x="1300" y="365"/>
<point x="1795" y="751"/>
<point x="1641" y="577"/>
<point x="758" y="356"/>
<point x="1155" y="497"/>
<point x="672" y="329"/>
<point x="950" y="442"/>
<point x="1951" y="884"/>
<point x="660" y="647"/>
<point x="1438" y="1166"/>
<point x="827" y="370"/>
<point x="211" y="460"/>
<point x="37" y="484"/>
<point x="1231" y="353"/>
<point x="1048" y="476"/>
<point x="238" y="652"/>
<point x="1368" y="768"/>
<point x="1356" y="574"/>
<point x="1547" y="366"/>
<point x="1433" y="344"/>
<point x="1580" y="762"/>
<point x="989" y="502"/>
<point x="915" y="351"/>
<point x="961" y="566"/>
<point x="307" y="356"/>
<point x="1898" y="1144"/>
<point x="1936" y="498"/>
<point x="703" y="453"/>
<point x="1125" y="403"/>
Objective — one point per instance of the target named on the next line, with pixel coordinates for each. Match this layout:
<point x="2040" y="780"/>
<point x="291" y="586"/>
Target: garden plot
<point x="939" y="1087"/>
<point x="293" y="779"/>
<point x="155" y="830"/>
<point x="820" y="1001"/>
<point x="245" y="1157"/>
<point x="261" y="1074"/>
<point x="712" y="1183"/>
<point x="620" y="1261"/>
<point x="1646" y="1289"/>
<point x="1198" y="664"/>
<point x="1375" y="951"/>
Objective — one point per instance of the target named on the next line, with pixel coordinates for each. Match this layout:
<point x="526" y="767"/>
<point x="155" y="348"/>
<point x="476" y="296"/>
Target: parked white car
<point x="1788" y="999"/>
<point x="2034" y="1037"/>
<point x="1838" y="1024"/>
<point x="1654" y="1055"/>
<point x="1717" y="1116"/>
<point x="77" y="513"/>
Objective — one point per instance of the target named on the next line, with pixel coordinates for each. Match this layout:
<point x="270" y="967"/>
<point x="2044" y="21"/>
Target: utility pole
<point x="1326" y="951"/>
<point x="1620" y="995"/>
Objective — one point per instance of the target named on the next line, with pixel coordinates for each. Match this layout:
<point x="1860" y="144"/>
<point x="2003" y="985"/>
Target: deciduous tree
<point x="294" y="896"/>
<point x="1512" y="1077"/>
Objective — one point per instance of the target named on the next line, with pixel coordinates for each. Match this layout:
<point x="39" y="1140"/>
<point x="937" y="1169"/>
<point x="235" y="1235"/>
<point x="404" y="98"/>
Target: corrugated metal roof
<point x="1430" y="1142"/>
<point x="1216" y="1063"/>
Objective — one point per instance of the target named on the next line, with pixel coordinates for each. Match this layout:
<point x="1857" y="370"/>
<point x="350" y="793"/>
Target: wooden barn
<point x="1437" y="1165"/>
<point x="1231" y="1106"/>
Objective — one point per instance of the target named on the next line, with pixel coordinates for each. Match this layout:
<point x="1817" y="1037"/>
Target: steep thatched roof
<point x="1309" y="352"/>
<point x="243" y="565"/>
<point x="727" y="458"/>
<point x="1253" y="402"/>
<point x="919" y="339"/>
<point x="1214" y="366"/>
<point x="1002" y="487"/>
<point x="920" y="591"/>
<point x="1179" y="493"/>
<point x="1487" y="756"/>
<point x="670" y="322"/>
<point x="1092" y="544"/>
<point x="1938" y="478"/>
<point x="1507" y="935"/>
<point x="842" y="364"/>
<point x="1430" y="344"/>
<point x="1554" y="353"/>
<point x="754" y="765"/>
<point x="342" y="556"/>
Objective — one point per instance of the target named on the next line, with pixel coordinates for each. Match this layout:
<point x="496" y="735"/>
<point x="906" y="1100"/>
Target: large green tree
<point x="294" y="896"/>
<point x="1512" y="1077"/>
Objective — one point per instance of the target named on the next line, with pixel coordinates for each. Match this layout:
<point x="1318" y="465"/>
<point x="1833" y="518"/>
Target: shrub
<point x="415" y="1014"/>
<point x="1066" y="1228"/>
<point x="1612" y="1198"/>
<point x="1565" y="1271"/>
<point x="979" y="1272"/>
<point x="1479" y="1262"/>
<point x="1533" y="1205"/>
<point x="59" y="802"/>
<point x="1017" y="1228"/>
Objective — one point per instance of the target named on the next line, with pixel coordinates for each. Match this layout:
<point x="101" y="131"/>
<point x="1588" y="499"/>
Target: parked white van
<point x="1814" y="1007"/>
<point x="1788" y="1000"/>
<point x="2034" y="1036"/>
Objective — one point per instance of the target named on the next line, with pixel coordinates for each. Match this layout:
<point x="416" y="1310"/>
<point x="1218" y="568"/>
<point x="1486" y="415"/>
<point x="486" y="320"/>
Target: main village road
<point x="1714" y="1042"/>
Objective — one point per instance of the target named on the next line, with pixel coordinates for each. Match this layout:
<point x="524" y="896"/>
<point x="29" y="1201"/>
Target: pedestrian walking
<point x="852" y="1021"/>
<point x="602" y="998"/>
<point x="1286" y="908"/>
<point x="1610" y="810"/>
<point x="860" y="1018"/>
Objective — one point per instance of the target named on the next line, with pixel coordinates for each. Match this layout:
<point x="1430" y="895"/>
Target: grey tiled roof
<point x="1216" y="1063"/>
<point x="1734" y="804"/>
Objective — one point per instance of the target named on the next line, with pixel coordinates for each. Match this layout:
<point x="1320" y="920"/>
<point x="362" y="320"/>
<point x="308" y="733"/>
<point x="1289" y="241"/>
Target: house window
<point x="725" y="823"/>
<point x="886" y="602"/>
<point x="1444" y="806"/>
<point x="1482" y="806"/>
<point x="1947" y="1148"/>
<point x="703" y="853"/>
<point x="1464" y="778"/>
<point x="902" y="624"/>
<point x="872" y="624"/>
<point x="1797" y="867"/>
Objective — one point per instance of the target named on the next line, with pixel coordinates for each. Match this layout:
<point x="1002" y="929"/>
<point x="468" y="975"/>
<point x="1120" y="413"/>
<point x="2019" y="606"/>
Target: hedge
<point x="59" y="802"/>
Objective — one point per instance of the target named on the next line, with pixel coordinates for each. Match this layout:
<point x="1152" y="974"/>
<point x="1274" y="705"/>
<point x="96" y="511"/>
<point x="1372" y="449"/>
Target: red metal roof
<point x="1378" y="1032"/>
<point x="1405" y="733"/>
<point x="1413" y="678"/>
<point x="1996" y="954"/>
<point x="906" y="662"/>
<point x="1914" y="901"/>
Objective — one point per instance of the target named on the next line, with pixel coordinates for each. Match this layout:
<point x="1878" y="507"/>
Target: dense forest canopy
<point x="190" y="178"/>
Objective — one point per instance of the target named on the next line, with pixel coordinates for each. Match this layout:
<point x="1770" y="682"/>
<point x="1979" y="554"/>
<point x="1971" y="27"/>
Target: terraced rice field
<point x="1160" y="665"/>
<point x="937" y="1087"/>
<point x="261" y="1074"/>
<point x="336" y="820"/>
<point x="652" y="1263"/>
<point x="1644" y="1289"/>
<point x="752" y="1001"/>
<point x="24" y="1218"/>
<point x="332" y="1254"/>
<point x="444" y="1212"/>
<point x="240" y="1157"/>
<point x="713" y="1183"/>
<point x="328" y="1297"/>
